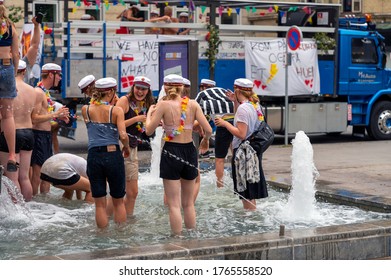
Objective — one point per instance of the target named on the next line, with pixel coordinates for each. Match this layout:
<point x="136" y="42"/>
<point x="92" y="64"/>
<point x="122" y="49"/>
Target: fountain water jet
<point x="302" y="203"/>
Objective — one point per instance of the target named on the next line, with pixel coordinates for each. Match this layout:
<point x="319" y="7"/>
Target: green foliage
<point x="15" y="13"/>
<point x="213" y="45"/>
<point x="324" y="42"/>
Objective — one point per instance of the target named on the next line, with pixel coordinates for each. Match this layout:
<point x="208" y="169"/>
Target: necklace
<point x="179" y="130"/>
<point x="139" y="111"/>
<point x="93" y="101"/>
<point x="48" y="97"/>
<point x="257" y="109"/>
<point x="3" y="28"/>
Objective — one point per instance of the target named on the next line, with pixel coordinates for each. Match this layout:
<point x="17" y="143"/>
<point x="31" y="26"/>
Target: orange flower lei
<point x="48" y="97"/>
<point x="175" y="132"/>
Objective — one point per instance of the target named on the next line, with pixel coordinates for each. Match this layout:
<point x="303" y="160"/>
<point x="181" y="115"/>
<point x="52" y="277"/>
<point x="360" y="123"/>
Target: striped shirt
<point x="215" y="101"/>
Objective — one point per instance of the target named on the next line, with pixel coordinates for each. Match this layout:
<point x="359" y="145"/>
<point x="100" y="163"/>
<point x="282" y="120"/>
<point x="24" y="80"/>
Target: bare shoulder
<point x="122" y="102"/>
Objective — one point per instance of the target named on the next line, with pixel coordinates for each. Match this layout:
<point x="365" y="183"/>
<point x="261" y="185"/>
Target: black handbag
<point x="261" y="138"/>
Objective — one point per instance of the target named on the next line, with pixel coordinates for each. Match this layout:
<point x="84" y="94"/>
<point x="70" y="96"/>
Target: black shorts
<point x="179" y="161"/>
<point x="61" y="182"/>
<point x="105" y="166"/>
<point x="24" y="141"/>
<point x="223" y="140"/>
<point x="42" y="147"/>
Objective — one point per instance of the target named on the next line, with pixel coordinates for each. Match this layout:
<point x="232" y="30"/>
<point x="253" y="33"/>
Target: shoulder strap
<point x="88" y="113"/>
<point x="111" y="114"/>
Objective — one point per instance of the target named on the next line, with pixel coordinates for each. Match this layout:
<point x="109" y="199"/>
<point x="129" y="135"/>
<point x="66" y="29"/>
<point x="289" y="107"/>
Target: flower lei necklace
<point x="48" y="97"/>
<point x="178" y="131"/>
<point x="3" y="28"/>
<point x="143" y="111"/>
<point x="94" y="101"/>
<point x="257" y="109"/>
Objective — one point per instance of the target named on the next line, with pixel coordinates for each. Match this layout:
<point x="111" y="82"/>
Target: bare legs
<point x="8" y="125"/>
<point x="102" y="220"/>
<point x="180" y="193"/>
<point x="219" y="165"/>
<point x="131" y="195"/>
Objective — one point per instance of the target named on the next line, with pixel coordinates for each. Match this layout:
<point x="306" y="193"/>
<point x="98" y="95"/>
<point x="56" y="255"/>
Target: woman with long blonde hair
<point x="9" y="60"/>
<point x="179" y="159"/>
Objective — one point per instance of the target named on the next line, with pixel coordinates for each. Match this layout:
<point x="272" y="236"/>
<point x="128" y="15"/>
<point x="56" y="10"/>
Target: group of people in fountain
<point x="114" y="162"/>
<point x="115" y="126"/>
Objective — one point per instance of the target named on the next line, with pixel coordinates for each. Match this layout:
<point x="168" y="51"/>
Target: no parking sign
<point x="293" y="37"/>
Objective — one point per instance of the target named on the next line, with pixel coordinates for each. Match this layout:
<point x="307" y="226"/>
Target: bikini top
<point x="6" y="38"/>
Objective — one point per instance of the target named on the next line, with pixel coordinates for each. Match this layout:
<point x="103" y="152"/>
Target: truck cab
<point x="363" y="78"/>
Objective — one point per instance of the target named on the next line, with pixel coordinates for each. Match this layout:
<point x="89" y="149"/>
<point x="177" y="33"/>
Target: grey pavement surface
<point x="352" y="169"/>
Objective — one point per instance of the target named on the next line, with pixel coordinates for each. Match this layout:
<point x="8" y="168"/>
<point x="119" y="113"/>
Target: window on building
<point x="364" y="51"/>
<point x="356" y="6"/>
<point x="347" y="5"/>
<point x="48" y="9"/>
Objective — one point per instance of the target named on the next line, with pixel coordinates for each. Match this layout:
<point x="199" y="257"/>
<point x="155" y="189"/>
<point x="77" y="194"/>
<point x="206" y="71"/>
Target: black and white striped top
<point x="214" y="101"/>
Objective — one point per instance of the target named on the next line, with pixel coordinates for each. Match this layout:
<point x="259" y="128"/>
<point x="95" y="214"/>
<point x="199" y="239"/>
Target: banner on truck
<point x="265" y="66"/>
<point x="140" y="57"/>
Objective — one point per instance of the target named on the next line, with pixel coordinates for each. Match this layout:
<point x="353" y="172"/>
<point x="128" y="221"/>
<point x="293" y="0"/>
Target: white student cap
<point x="208" y="82"/>
<point x="244" y="84"/>
<point x="173" y="79"/>
<point x="86" y="81"/>
<point x="142" y="82"/>
<point x="22" y="64"/>
<point x="183" y="14"/>
<point x="106" y="83"/>
<point x="86" y="16"/>
<point x="154" y="12"/>
<point x="51" y="67"/>
<point x="186" y="82"/>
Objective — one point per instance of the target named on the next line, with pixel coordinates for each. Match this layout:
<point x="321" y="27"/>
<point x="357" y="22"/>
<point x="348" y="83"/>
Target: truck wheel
<point x="380" y="122"/>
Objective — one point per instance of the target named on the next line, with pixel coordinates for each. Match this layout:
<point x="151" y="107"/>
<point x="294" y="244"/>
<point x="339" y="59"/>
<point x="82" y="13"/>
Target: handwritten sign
<point x="265" y="66"/>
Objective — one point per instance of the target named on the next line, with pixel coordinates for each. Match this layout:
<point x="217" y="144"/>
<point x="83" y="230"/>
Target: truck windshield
<point x="364" y="51"/>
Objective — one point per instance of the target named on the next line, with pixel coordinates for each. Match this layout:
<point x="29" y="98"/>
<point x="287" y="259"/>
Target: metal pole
<point x="286" y="115"/>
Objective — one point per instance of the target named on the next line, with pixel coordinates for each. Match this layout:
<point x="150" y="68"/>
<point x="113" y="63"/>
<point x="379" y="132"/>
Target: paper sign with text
<point x="265" y="66"/>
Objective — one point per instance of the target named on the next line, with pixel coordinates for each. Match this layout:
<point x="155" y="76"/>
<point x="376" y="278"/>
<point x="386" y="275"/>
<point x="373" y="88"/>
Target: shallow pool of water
<point x="50" y="225"/>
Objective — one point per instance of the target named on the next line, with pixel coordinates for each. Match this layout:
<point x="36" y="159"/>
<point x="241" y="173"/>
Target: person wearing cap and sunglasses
<point x="24" y="105"/>
<point x="135" y="105"/>
<point x="9" y="60"/>
<point x="105" y="161"/>
<point x="42" y="116"/>
<point x="179" y="162"/>
<point x="247" y="118"/>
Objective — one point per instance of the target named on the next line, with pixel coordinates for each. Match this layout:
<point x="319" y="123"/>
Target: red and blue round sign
<point x="293" y="38"/>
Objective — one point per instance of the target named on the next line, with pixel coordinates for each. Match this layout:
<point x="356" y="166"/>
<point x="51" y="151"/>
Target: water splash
<point x="156" y="144"/>
<point x="302" y="203"/>
<point x="12" y="205"/>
